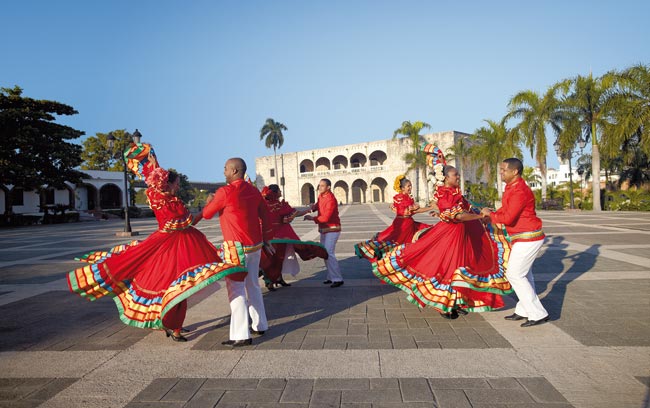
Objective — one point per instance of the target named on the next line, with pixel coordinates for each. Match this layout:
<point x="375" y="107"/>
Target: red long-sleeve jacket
<point x="328" y="213"/>
<point x="518" y="213"/>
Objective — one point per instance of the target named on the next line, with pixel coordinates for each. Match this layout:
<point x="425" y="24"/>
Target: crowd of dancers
<point x="463" y="263"/>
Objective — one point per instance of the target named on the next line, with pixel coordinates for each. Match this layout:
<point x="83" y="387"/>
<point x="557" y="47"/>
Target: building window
<point x="18" y="196"/>
<point x="272" y="172"/>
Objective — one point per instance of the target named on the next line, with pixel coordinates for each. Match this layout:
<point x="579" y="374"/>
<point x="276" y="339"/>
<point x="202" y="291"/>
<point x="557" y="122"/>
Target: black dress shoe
<point x="462" y="312"/>
<point x="534" y="322"/>
<point x="283" y="283"/>
<point x="270" y="287"/>
<point x="237" y="343"/>
<point x="451" y="315"/>
<point x="514" y="316"/>
<point x="336" y="284"/>
<point x="327" y="282"/>
<point x="170" y="333"/>
<point x="258" y="332"/>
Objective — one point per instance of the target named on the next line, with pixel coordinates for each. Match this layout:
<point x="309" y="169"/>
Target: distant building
<point x="560" y="176"/>
<point x="360" y="173"/>
<point x="102" y="190"/>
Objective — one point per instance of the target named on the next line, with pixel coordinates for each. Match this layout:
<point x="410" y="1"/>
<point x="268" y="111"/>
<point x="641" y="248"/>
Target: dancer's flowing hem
<point x="469" y="290"/>
<point x="271" y="266"/>
<point x="138" y="307"/>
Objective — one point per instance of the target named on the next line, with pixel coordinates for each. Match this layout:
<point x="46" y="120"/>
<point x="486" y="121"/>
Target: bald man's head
<point x="234" y="169"/>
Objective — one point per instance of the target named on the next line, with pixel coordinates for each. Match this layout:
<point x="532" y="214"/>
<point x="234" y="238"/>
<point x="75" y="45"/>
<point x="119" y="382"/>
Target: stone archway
<point x="323" y="164"/>
<point x="358" y="160"/>
<point x="359" y="188"/>
<point x="378" y="190"/>
<point x="377" y="158"/>
<point x="341" y="191"/>
<point x="306" y="166"/>
<point x="110" y="196"/>
<point x="307" y="194"/>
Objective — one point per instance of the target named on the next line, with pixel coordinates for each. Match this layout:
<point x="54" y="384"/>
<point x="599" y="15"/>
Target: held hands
<point x="485" y="212"/>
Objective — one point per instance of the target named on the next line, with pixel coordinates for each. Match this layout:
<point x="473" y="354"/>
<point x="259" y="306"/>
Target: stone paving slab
<point x="357" y="318"/>
<point x="601" y="313"/>
<point x="30" y="392"/>
<point x="593" y="353"/>
<point x="347" y="392"/>
<point x="60" y="321"/>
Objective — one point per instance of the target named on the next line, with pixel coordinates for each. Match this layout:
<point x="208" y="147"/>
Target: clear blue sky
<point x="199" y="78"/>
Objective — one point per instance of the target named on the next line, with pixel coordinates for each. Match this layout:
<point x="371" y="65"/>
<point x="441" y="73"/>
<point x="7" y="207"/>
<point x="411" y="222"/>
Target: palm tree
<point x="417" y="158"/>
<point x="632" y="114"/>
<point x="536" y="113"/>
<point x="591" y="100"/>
<point x="272" y="135"/>
<point x="530" y="177"/>
<point x="490" y="146"/>
<point x="460" y="152"/>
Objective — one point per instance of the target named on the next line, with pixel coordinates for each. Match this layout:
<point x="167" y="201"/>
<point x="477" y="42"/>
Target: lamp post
<point x="135" y="137"/>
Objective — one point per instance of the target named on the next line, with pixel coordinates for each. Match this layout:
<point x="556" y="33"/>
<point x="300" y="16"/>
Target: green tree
<point x="490" y="146"/>
<point x="417" y="158"/>
<point x="34" y="151"/>
<point x="460" y="152"/>
<point x="185" y="191"/>
<point x="631" y="116"/>
<point x="530" y="177"/>
<point x="535" y="113"/>
<point x="591" y="100"/>
<point x="272" y="135"/>
<point x="97" y="156"/>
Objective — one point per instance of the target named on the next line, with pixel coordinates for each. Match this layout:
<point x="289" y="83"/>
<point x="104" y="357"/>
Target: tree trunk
<point x="542" y="170"/>
<point x="461" y="173"/>
<point x="499" y="184"/>
<point x="426" y="186"/>
<point x="275" y="156"/>
<point x="417" y="184"/>
<point x="595" y="170"/>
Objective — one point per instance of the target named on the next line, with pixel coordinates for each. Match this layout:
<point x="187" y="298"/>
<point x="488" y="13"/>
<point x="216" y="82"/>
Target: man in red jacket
<point x="525" y="233"/>
<point x="241" y="208"/>
<point x="329" y="226"/>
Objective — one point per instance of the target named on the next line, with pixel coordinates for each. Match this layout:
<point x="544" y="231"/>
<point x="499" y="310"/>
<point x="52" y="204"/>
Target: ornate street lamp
<point x="135" y="137"/>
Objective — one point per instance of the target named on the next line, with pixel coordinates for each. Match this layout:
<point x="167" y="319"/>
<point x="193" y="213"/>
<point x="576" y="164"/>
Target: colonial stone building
<point x="360" y="173"/>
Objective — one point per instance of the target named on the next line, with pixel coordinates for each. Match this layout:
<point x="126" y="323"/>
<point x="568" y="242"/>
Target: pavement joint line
<point x="573" y="224"/>
<point x="381" y="216"/>
<point x="588" y="376"/>
<point x="313" y="234"/>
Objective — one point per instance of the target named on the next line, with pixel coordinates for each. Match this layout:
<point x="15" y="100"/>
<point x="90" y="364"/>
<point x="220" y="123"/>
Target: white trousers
<point x="520" y="275"/>
<point x="328" y="240"/>
<point x="290" y="263"/>
<point x="246" y="298"/>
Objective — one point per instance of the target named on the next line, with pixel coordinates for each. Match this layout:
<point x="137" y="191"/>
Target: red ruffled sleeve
<point x="402" y="204"/>
<point x="450" y="202"/>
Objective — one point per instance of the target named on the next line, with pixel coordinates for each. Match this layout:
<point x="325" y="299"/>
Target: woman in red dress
<point x="403" y="229"/>
<point x="285" y="241"/>
<point x="456" y="266"/>
<point x="150" y="280"/>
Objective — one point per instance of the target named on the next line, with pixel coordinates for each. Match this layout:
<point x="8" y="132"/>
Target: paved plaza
<point x="360" y="345"/>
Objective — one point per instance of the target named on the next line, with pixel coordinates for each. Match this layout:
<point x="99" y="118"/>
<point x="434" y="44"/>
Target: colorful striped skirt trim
<point x="135" y="308"/>
<point x="447" y="296"/>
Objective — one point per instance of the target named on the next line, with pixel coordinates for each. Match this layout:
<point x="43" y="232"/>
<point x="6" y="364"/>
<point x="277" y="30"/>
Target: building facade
<point x="360" y="173"/>
<point x="102" y="190"/>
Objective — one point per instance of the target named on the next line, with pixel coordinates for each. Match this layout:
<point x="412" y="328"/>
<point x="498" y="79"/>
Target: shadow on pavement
<point x="554" y="262"/>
